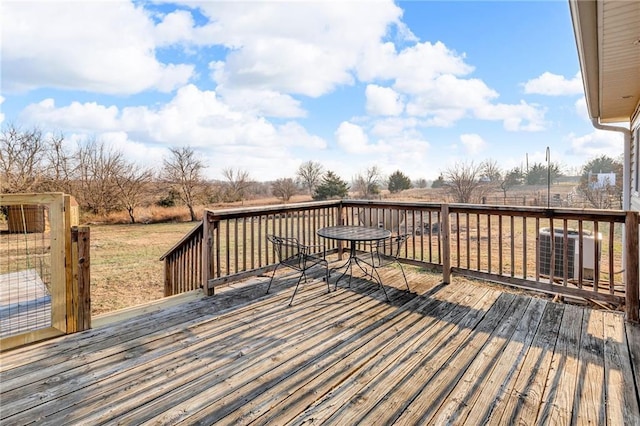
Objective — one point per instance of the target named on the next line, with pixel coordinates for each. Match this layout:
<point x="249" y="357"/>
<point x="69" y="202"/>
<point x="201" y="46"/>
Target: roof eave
<point x="584" y="18"/>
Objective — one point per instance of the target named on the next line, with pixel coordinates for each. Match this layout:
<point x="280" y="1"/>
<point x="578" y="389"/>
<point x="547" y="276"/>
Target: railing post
<point x="632" y="281"/>
<point x="207" y="244"/>
<point x="340" y="221"/>
<point x="84" y="278"/>
<point x="445" y="230"/>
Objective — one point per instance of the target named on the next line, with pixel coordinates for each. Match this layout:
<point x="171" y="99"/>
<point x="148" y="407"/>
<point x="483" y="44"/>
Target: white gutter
<point x="626" y="168"/>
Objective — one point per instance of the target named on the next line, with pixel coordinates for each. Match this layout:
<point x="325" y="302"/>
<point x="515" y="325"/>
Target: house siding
<point x="635" y="160"/>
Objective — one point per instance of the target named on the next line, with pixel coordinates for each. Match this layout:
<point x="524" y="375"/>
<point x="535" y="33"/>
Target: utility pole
<point x="548" y="176"/>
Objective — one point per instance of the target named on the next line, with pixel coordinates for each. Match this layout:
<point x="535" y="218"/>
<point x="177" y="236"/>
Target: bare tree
<point x="368" y="182"/>
<point x="309" y="175"/>
<point x="184" y="171"/>
<point x="96" y="171"/>
<point x="21" y="159"/>
<point x="61" y="167"/>
<point x="133" y="185"/>
<point x="238" y="183"/>
<point x="491" y="171"/>
<point x="462" y="182"/>
<point x="284" y="189"/>
<point x="512" y="178"/>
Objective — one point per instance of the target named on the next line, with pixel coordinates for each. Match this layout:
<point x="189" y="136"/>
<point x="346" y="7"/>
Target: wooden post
<point x="83" y="277"/>
<point x="340" y="221"/>
<point x="70" y="267"/>
<point x="206" y="252"/>
<point x="632" y="281"/>
<point x="445" y="230"/>
<point x="215" y="270"/>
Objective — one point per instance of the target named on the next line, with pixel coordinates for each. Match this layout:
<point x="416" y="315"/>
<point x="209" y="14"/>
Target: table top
<point x="354" y="233"/>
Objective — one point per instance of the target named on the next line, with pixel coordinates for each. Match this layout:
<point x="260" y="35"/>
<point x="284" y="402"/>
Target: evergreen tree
<point x="331" y="187"/>
<point x="438" y="183"/>
<point x="398" y="181"/>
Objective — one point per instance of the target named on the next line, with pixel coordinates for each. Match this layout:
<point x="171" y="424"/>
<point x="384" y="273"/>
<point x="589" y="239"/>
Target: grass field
<point x="125" y="266"/>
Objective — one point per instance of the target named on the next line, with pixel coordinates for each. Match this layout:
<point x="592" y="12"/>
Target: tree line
<point x="103" y="181"/>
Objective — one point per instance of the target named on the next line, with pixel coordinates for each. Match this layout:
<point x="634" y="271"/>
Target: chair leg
<point x="405" y="277"/>
<point x="296" y="289"/>
<point x="271" y="280"/>
<point x="381" y="285"/>
<point x="327" y="277"/>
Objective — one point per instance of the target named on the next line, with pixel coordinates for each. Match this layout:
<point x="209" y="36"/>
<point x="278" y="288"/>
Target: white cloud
<point x="88" y="116"/>
<point x="392" y="127"/>
<point x="516" y="117"/>
<point x="309" y="52"/>
<point x="599" y="142"/>
<point x="352" y="138"/>
<point x="223" y="136"/>
<point x="102" y="47"/>
<point x="383" y="101"/>
<point x="554" y="85"/>
<point x="414" y="68"/>
<point x="473" y="143"/>
<point x="433" y="79"/>
<point x="175" y="28"/>
<point x="135" y="151"/>
<point x="263" y="102"/>
<point x="1" y="114"/>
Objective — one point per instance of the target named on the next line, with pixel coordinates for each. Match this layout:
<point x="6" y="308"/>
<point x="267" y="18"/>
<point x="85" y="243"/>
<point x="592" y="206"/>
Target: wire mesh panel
<point x="25" y="268"/>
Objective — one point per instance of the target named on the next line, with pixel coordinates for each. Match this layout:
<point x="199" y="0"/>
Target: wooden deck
<point x="461" y="353"/>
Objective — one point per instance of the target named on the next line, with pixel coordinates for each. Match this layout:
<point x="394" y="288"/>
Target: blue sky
<point x="266" y="85"/>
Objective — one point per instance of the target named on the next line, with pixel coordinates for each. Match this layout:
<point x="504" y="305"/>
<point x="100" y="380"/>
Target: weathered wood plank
<point x="384" y="378"/>
<point x="321" y="351"/>
<point x="506" y="368"/>
<point x="222" y="358"/>
<point x="589" y="402"/>
<point x="75" y="373"/>
<point x="431" y="385"/>
<point x="347" y="357"/>
<point x="465" y="392"/>
<point x="622" y="403"/>
<point x="557" y="402"/>
<point x="524" y="397"/>
<point x="219" y="361"/>
<point x="286" y="401"/>
<point x="244" y="299"/>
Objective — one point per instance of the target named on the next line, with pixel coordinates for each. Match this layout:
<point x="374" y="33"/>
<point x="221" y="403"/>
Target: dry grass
<point x="125" y="266"/>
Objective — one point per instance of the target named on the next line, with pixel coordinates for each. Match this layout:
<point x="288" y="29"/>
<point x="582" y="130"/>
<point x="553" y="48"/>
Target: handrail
<point x="196" y="230"/>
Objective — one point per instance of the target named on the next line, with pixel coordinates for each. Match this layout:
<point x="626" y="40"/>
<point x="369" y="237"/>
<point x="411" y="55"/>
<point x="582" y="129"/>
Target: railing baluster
<point x="596" y="250"/>
<point x="611" y="258"/>
<point x="489" y="247"/>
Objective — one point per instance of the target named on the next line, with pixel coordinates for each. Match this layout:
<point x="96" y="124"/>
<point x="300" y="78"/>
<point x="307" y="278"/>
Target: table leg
<point x="348" y="266"/>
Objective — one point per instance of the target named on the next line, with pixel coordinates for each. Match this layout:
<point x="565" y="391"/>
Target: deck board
<point x="463" y="353"/>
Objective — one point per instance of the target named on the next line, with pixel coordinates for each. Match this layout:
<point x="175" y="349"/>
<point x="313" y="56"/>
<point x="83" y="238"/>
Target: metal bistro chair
<point x="386" y="252"/>
<point x="298" y="256"/>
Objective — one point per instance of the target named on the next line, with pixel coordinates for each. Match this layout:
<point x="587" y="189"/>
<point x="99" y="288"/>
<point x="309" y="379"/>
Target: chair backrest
<point x="288" y="249"/>
<point x="392" y="246"/>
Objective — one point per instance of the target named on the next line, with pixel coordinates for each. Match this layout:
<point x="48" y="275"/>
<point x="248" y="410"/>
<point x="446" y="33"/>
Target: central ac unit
<point x="590" y="253"/>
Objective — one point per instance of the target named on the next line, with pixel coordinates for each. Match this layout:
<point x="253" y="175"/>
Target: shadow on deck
<point x="458" y="353"/>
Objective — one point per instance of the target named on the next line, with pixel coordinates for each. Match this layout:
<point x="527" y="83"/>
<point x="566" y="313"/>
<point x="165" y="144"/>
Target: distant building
<point x="601" y="180"/>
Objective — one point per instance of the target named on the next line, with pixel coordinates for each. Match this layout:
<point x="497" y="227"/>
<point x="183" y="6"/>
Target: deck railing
<point x="183" y="263"/>
<point x="591" y="254"/>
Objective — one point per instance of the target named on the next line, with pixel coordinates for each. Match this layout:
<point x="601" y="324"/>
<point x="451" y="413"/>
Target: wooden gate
<point x="44" y="268"/>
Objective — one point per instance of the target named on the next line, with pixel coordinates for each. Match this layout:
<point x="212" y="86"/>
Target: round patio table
<point x="354" y="234"/>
